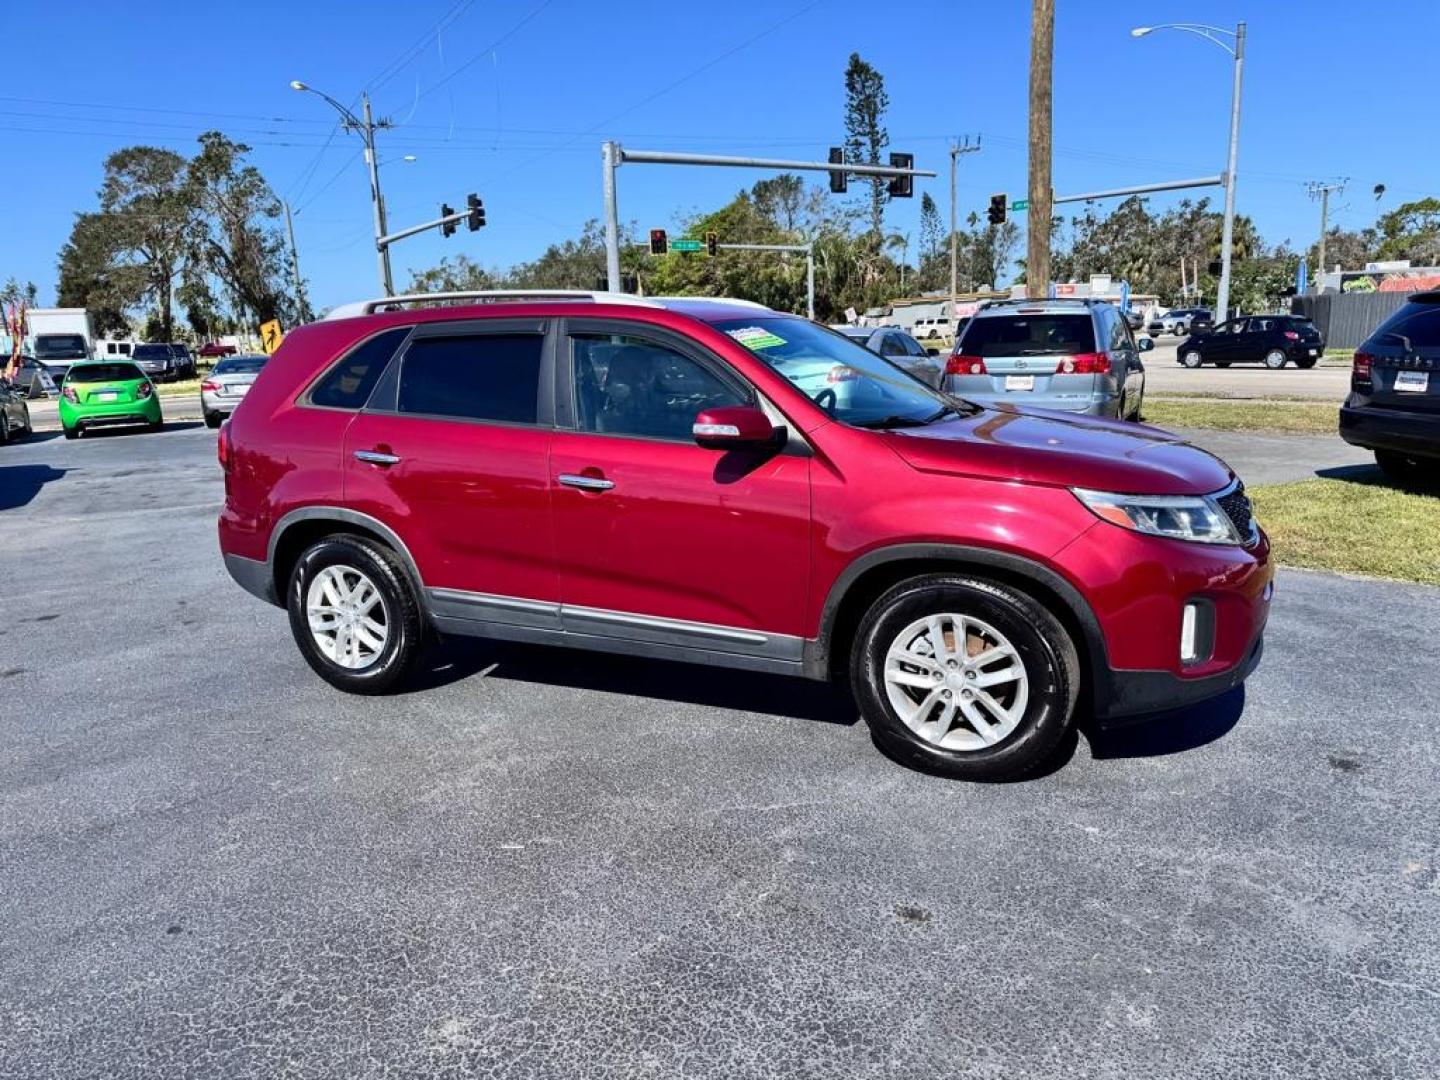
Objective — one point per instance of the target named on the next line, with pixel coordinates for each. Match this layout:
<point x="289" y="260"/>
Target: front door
<point x="660" y="539"/>
<point x="451" y="453"/>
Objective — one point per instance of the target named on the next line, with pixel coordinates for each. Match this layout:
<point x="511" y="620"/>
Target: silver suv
<point x="1072" y="355"/>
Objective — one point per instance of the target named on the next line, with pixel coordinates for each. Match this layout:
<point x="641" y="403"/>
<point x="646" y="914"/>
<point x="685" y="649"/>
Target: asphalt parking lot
<point x="540" y="863"/>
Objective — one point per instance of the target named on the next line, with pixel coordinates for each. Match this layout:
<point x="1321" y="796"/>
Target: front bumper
<point x="1136" y="693"/>
<point x="1391" y="429"/>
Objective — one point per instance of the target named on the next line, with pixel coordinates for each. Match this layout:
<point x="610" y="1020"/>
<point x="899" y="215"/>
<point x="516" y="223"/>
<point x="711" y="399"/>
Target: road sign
<point x="687" y="245"/>
<point x="1020" y="204"/>
<point x="270" y="336"/>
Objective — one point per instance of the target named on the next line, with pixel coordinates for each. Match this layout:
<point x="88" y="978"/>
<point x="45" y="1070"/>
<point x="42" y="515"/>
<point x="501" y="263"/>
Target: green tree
<point x="865" y="134"/>
<point x="92" y="277"/>
<point x="146" y="217"/>
<point x="782" y="199"/>
<point x="1351" y="249"/>
<point x="932" y="230"/>
<point x="13" y="292"/>
<point x="1412" y="231"/>
<point x="457" y="273"/>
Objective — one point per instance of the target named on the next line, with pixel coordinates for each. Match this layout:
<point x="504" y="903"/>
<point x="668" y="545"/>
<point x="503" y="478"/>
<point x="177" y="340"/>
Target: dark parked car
<point x="184" y="361"/>
<point x="1272" y="340"/>
<point x="14" y="413"/>
<point x="1394" y="403"/>
<point x="713" y="482"/>
<point x="157" y="361"/>
<point x="900" y="349"/>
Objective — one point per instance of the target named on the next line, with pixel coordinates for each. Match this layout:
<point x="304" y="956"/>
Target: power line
<point x="390" y="70"/>
<point x="486" y="50"/>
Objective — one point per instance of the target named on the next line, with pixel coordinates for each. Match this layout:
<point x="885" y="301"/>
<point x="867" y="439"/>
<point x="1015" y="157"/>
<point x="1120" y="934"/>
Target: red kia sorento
<point x="713" y="482"/>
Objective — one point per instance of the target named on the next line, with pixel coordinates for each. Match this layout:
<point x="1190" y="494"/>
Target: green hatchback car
<point x="104" y="392"/>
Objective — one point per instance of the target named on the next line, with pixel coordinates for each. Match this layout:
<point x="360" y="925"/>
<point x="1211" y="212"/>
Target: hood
<point x="1041" y="446"/>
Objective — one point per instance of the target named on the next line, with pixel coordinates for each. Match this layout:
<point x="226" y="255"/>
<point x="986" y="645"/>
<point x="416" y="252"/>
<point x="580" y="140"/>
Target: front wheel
<point x="71" y="432"/>
<point x="964" y="677"/>
<point x="354" y="614"/>
<point x="1306" y="363"/>
<point x="1192" y="359"/>
<point x="1275" y="360"/>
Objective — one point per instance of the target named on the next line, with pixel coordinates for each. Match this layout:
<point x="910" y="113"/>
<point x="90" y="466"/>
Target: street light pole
<point x="366" y="130"/>
<point x="1237" y="52"/>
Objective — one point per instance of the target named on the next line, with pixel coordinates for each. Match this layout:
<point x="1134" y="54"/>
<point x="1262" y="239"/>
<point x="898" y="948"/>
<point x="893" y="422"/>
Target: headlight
<point x="1181" y="517"/>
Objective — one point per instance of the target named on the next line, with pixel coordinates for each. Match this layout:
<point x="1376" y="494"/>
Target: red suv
<point x="713" y="482"/>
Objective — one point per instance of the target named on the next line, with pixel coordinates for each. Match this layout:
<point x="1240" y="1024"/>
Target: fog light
<point x="1189" y="620"/>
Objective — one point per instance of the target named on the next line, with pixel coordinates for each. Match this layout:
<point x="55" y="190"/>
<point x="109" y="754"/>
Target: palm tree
<point x="902" y="242"/>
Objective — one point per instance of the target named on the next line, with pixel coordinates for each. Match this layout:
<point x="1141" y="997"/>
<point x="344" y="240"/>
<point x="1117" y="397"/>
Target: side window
<point x="630" y="386"/>
<point x="891" y="345"/>
<point x="1261" y="326"/>
<point x="913" y="347"/>
<point x="473" y="377"/>
<point x="348" y="384"/>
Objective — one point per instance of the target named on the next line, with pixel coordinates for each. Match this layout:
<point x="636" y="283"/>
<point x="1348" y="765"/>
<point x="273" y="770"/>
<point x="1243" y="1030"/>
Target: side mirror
<point x="1145" y="344"/>
<point x="734" y="427"/>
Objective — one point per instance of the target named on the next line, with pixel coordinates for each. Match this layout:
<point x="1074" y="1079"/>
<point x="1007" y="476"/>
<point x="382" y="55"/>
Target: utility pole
<point x="1227" y="232"/>
<point x="1321" y="191"/>
<point x="956" y="149"/>
<point x="302" y="303"/>
<point x="1042" y="62"/>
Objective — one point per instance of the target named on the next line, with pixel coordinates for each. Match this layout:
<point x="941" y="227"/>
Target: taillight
<point x="222" y="446"/>
<point x="1360" y="369"/>
<point x="960" y="364"/>
<point x="841" y="373"/>
<point x="210" y="385"/>
<point x="144" y="390"/>
<point x="1291" y="335"/>
<point x="70" y="395"/>
<point x="1090" y="363"/>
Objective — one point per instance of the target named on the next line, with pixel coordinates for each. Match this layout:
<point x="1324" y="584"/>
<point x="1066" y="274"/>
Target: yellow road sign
<point x="270" y="336"/>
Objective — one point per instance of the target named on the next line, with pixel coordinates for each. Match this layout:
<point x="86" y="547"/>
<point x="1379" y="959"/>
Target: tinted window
<point x="151" y="352"/>
<point x="1030" y="335"/>
<point x="239" y="365"/>
<point x="1119" y="331"/>
<point x="60" y="346"/>
<point x="475" y="377"/>
<point x="630" y="386"/>
<point x="348" y="384"/>
<point x="891" y="345"/>
<point x="94" y="373"/>
<point x="1419" y="323"/>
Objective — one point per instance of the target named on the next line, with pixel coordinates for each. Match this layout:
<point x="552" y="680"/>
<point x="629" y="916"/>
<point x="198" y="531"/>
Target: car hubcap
<point x="347" y="616"/>
<point x="956" y="682"/>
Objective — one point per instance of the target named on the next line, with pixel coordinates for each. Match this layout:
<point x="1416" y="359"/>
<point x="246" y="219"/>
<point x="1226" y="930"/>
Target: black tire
<point x="71" y="433"/>
<point x="1306" y="363"/>
<point x="156" y="425"/>
<point x="403" y="620"/>
<point x="1270" y="359"/>
<point x="213" y="420"/>
<point x="1408" y="471"/>
<point x="1192" y="359"/>
<point x="1045" y="649"/>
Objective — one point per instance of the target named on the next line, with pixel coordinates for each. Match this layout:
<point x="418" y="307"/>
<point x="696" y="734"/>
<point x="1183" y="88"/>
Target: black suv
<point x="1394" y="402"/>
<point x="1272" y="340"/>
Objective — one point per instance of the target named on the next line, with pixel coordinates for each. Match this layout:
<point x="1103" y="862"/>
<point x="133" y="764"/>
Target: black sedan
<point x="1272" y="340"/>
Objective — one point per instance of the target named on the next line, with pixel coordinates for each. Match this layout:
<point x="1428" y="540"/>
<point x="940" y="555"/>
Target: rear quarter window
<point x="493" y="377"/>
<point x="348" y="384"/>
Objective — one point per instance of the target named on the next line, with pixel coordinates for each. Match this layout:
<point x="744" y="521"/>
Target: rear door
<point x="452" y="453"/>
<point x="658" y="538"/>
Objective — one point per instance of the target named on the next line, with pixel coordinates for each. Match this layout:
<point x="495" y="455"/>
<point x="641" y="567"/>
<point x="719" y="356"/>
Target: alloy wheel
<point x="956" y="682"/>
<point x="347" y="616"/>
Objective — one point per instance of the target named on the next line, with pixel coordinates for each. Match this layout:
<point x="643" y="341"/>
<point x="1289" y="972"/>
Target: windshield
<point x="60" y="347"/>
<point x="239" y="365"/>
<point x="848" y="381"/>
<point x="151" y="352"/>
<point x="96" y="373"/>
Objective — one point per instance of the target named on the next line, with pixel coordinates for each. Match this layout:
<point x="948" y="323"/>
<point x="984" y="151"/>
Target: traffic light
<point x="1215" y="267"/>
<point x="712" y="243"/>
<point x="902" y="187"/>
<point x="996" y="213"/>
<point x="447" y="229"/>
<point x="659" y="242"/>
<point x="477" y="212"/>
<point x="839" y="180"/>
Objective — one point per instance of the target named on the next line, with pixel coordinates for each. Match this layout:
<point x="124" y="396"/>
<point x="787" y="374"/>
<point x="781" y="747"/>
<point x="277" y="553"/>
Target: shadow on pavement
<point x="120" y="431"/>
<point x="21" y="483"/>
<point x="1360" y="474"/>
<point x="776" y="695"/>
<point x="1172" y="732"/>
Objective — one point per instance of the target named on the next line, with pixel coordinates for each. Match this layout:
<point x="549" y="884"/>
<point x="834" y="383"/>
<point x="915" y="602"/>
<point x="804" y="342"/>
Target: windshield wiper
<point x="886" y="422"/>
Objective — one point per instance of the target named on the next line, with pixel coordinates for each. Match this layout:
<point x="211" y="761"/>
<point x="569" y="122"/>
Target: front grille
<point x="1236" y="505"/>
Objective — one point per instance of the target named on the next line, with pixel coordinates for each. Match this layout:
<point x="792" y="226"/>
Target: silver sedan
<point x="226" y="386"/>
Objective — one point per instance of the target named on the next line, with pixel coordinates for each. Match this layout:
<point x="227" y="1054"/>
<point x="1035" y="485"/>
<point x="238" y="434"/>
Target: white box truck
<point x="59" y="337"/>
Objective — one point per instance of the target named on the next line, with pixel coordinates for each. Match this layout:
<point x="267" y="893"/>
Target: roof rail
<point x="1032" y="300"/>
<point x="481" y="296"/>
<point x="710" y="300"/>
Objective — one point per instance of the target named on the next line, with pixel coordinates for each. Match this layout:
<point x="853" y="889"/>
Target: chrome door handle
<point x="377" y="457"/>
<point x="586" y="483"/>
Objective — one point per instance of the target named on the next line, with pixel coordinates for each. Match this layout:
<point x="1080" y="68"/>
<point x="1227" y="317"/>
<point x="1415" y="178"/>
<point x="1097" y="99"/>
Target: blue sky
<point x="512" y="100"/>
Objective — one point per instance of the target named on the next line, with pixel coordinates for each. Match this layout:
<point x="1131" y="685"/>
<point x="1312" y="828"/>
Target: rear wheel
<point x="71" y="432"/>
<point x="1408" y="470"/>
<point x="212" y="420"/>
<point x="1192" y="359"/>
<point x="1275" y="359"/>
<point x="1306" y="364"/>
<point x="964" y="677"/>
<point x="354" y="614"/>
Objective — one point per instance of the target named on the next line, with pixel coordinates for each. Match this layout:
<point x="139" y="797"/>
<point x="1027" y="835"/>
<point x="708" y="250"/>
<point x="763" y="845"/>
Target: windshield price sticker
<point x="756" y="337"/>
